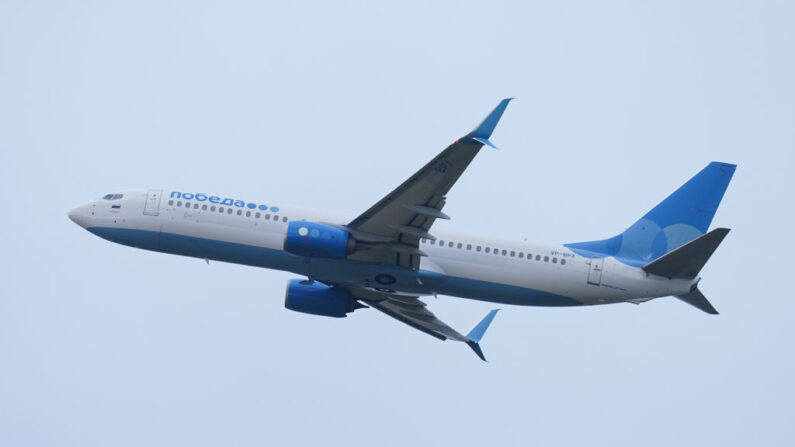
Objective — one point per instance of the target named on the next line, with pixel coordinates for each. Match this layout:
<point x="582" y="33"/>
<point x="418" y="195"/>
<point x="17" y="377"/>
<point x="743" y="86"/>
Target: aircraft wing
<point x="412" y="311"/>
<point x="392" y="228"/>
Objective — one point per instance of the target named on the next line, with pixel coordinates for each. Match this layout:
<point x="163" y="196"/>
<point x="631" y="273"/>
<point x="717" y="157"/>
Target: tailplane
<point x="687" y="260"/>
<point x="697" y="299"/>
<point x="682" y="217"/>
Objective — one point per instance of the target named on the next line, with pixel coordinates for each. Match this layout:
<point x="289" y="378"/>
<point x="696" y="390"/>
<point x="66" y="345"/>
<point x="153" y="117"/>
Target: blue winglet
<point x="477" y="332"/>
<point x="482" y="133"/>
<point x="485" y="141"/>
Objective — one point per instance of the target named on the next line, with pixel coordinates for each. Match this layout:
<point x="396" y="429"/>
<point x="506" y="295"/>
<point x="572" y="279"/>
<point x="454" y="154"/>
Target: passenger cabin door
<point x="595" y="271"/>
<point x="152" y="206"/>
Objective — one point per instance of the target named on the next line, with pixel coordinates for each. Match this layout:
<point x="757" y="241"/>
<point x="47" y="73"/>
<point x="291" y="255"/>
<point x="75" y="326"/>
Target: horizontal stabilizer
<point x="697" y="299"/>
<point x="687" y="260"/>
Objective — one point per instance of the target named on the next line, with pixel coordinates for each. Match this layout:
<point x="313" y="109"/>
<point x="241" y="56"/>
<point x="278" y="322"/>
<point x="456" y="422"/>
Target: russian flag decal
<point x="116" y="207"/>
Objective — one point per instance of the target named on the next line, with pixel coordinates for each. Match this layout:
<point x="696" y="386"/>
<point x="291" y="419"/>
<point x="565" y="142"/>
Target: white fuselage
<point x="481" y="268"/>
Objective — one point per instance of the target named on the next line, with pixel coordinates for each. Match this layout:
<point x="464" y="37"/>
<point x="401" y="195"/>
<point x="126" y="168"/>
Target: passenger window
<point x="450" y="244"/>
<point x="513" y="253"/>
<point x="496" y="251"/>
<point x="469" y="246"/>
<point x="546" y="258"/>
<point x="170" y="203"/>
<point x="460" y="245"/>
<point x="562" y="262"/>
<point x="229" y="211"/>
<point x="477" y="248"/>
<point x="220" y="209"/>
<point x="433" y="242"/>
<point x="441" y="243"/>
<point x="275" y="218"/>
<point x="212" y="208"/>
<point x="179" y="203"/>
<point x="257" y="215"/>
<point x="488" y="250"/>
<point x="268" y="217"/>
<point x="239" y="212"/>
<point x="284" y="219"/>
<point x="554" y="260"/>
<point x="204" y="207"/>
<point x="248" y="213"/>
<point x="538" y="257"/>
<point x="521" y="255"/>
<point x="504" y="252"/>
<point x="195" y="206"/>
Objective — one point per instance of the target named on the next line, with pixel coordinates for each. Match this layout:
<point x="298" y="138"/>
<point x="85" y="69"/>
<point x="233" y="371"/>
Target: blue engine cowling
<point x="317" y="240"/>
<point x="318" y="299"/>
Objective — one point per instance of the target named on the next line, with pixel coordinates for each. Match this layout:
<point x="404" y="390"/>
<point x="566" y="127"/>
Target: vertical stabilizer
<point x="683" y="216"/>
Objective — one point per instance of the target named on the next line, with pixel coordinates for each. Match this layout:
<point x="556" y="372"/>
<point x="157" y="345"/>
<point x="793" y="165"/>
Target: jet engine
<point x="318" y="240"/>
<point x="319" y="299"/>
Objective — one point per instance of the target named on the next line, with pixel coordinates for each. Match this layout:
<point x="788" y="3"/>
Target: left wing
<point x="390" y="231"/>
<point x="412" y="311"/>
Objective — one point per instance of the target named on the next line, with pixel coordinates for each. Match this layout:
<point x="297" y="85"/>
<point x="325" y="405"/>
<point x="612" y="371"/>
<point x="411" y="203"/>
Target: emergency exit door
<point x="595" y="271"/>
<point x="152" y="206"/>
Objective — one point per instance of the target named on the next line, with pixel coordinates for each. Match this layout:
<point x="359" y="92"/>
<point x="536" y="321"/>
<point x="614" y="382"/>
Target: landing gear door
<point x="152" y="206"/>
<point x="595" y="271"/>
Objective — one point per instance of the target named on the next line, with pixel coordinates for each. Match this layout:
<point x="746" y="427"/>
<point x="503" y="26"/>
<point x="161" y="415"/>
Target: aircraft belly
<point x="522" y="279"/>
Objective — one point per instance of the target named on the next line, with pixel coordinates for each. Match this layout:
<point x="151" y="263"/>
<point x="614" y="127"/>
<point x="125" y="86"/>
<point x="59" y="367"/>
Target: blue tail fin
<point x="677" y="220"/>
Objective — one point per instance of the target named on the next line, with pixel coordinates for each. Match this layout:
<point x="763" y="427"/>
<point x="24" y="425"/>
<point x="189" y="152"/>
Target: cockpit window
<point x="112" y="196"/>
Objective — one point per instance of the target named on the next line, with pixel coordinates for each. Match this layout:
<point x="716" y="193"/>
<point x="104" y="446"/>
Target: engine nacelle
<point x="318" y="299"/>
<point x="317" y="240"/>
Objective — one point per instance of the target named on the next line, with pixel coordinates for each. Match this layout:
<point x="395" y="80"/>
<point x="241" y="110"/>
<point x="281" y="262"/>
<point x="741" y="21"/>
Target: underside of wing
<point x="413" y="312"/>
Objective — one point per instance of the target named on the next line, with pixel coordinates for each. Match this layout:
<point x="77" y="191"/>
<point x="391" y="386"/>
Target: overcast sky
<point x="330" y="106"/>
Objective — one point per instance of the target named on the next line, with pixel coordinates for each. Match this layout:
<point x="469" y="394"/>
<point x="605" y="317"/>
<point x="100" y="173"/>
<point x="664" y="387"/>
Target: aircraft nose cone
<point x="78" y="216"/>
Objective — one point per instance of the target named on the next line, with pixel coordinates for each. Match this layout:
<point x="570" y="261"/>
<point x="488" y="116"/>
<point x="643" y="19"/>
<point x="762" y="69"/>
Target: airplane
<point x="387" y="258"/>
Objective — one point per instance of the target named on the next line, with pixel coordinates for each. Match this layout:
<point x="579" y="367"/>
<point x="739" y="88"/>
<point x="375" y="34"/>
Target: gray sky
<point x="331" y="106"/>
